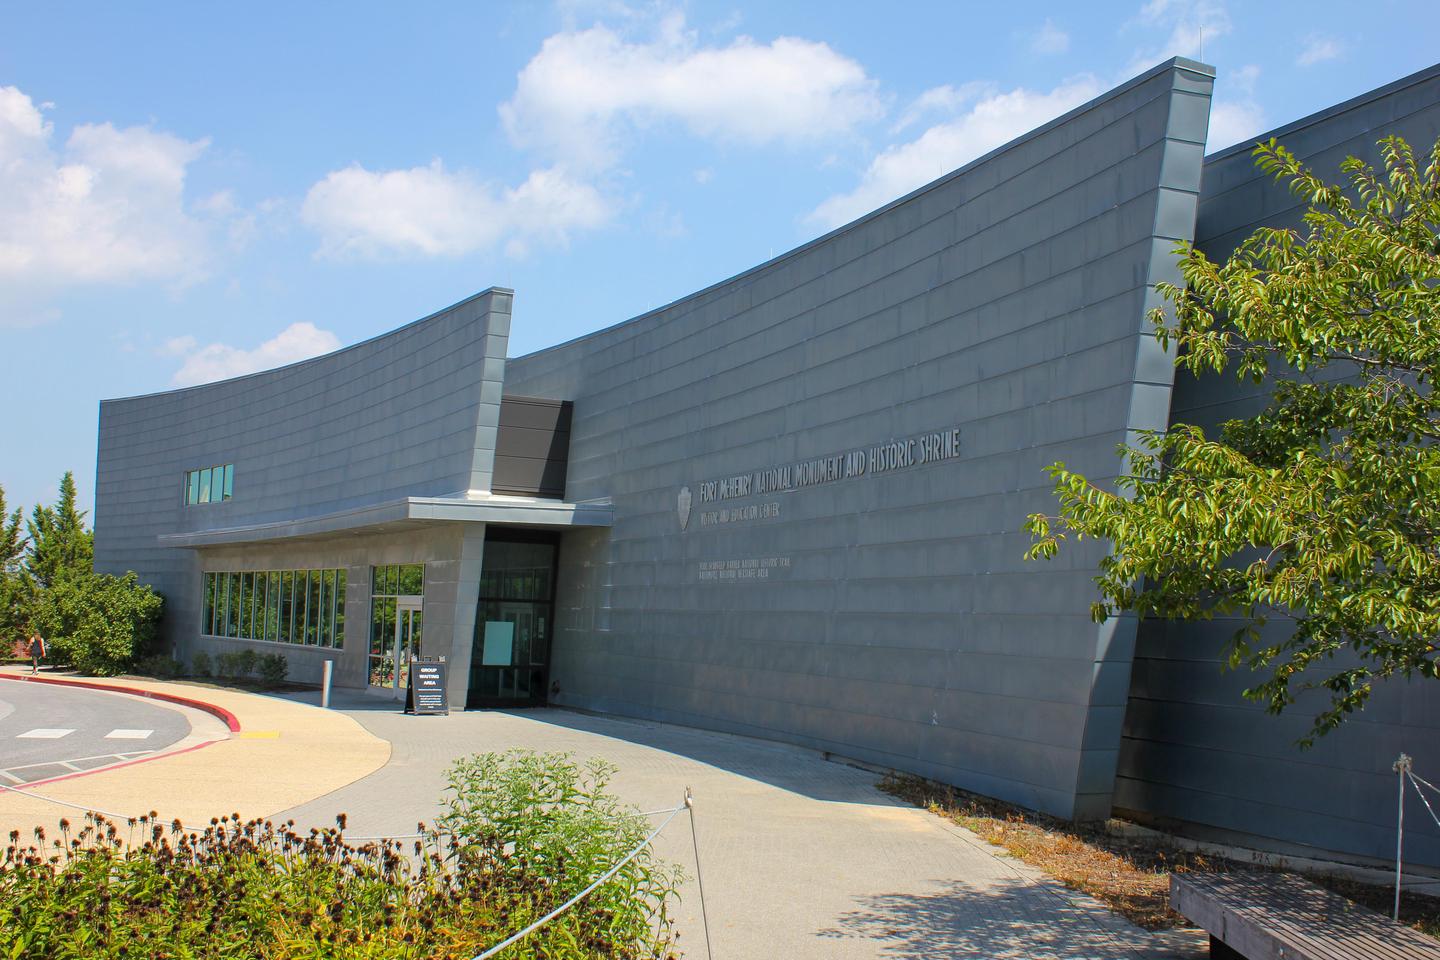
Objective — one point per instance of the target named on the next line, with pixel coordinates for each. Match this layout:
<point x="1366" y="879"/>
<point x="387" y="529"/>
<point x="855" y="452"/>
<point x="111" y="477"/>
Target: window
<point x="282" y="606"/>
<point x="390" y="620"/>
<point x="209" y="484"/>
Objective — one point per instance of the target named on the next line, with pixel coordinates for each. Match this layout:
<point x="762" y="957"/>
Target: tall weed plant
<point x="520" y="835"/>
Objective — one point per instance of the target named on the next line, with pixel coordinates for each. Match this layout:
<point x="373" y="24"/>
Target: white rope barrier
<point x="1416" y="781"/>
<point x="583" y="893"/>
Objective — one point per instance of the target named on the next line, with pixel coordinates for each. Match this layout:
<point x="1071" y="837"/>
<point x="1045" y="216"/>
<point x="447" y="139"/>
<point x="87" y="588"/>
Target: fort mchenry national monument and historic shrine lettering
<point x="893" y="455"/>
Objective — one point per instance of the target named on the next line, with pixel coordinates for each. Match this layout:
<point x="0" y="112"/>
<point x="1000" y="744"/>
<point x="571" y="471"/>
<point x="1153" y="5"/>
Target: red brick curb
<point x="225" y="716"/>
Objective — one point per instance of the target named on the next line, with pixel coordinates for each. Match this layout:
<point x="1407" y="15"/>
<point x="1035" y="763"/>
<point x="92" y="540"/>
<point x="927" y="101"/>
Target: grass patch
<point x="1131" y="876"/>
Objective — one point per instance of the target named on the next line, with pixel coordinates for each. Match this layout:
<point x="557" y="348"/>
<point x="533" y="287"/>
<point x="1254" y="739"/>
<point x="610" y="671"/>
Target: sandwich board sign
<point x="425" y="693"/>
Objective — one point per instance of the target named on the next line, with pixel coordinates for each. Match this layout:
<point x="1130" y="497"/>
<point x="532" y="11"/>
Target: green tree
<point x="98" y="623"/>
<point x="59" y="543"/>
<point x="1322" y="512"/>
<point x="14" y="590"/>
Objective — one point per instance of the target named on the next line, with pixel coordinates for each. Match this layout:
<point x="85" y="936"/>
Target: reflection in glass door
<point x="511" y="654"/>
<point x="390" y="657"/>
<point x="396" y="624"/>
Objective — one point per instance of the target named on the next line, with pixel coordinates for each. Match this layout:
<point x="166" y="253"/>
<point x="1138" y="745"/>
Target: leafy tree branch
<point x="1319" y="517"/>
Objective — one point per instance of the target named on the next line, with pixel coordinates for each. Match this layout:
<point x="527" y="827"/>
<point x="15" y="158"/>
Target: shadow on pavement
<point x="796" y="769"/>
<point x="1014" y="918"/>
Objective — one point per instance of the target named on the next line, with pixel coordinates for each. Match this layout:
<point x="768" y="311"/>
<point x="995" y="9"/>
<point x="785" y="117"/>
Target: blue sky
<point x="193" y="191"/>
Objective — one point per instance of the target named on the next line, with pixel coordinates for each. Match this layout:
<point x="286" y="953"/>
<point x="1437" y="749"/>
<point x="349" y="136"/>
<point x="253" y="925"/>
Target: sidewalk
<point x="804" y="858"/>
<point x="283" y="754"/>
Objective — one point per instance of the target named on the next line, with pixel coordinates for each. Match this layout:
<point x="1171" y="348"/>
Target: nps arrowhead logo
<point x="684" y="507"/>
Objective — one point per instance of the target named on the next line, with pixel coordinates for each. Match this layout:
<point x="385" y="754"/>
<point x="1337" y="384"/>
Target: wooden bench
<point x="1269" y="916"/>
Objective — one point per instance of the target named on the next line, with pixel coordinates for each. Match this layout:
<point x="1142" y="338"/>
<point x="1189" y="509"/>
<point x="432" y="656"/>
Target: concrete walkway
<point x="802" y="857"/>
<point x="284" y="753"/>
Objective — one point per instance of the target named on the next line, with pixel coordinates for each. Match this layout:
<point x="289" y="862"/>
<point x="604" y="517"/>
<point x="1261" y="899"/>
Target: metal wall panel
<point x="889" y="616"/>
<point x="532" y="447"/>
<point x="1195" y="752"/>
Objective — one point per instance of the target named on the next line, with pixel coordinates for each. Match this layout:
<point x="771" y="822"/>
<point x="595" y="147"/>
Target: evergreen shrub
<point x="273" y="669"/>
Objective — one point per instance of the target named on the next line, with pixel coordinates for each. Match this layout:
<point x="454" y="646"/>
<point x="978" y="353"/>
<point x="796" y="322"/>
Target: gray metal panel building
<point x="791" y="504"/>
<point x="897" y="622"/>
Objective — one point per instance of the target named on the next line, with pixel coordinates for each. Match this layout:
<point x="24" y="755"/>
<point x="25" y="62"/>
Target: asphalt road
<point x="50" y="731"/>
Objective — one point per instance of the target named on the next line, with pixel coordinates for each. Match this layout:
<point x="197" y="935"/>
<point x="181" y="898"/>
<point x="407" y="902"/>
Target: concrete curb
<point x="225" y="716"/>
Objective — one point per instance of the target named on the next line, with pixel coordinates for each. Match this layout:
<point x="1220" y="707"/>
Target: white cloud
<point x="106" y="207"/>
<point x="430" y="211"/>
<point x="1049" y="39"/>
<point x="220" y="361"/>
<point x="1232" y="121"/>
<point x="945" y="99"/>
<point x="1318" y="49"/>
<point x="1234" y="113"/>
<point x="1242" y="80"/>
<point x="994" y="119"/>
<point x="580" y="95"/>
<point x="1192" y="24"/>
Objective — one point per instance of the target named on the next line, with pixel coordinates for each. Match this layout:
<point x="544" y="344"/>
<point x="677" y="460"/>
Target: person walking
<point x="37" y="650"/>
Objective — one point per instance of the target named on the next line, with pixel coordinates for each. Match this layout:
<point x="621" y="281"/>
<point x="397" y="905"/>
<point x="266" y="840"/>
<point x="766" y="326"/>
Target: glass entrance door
<point x="513" y="653"/>
<point x="396" y="643"/>
<point x="509" y="663"/>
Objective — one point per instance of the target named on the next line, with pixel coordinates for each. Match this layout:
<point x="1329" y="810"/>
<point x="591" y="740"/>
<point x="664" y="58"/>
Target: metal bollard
<point x="325" y="684"/>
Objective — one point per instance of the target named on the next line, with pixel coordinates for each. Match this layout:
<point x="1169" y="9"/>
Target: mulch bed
<point x="1129" y="875"/>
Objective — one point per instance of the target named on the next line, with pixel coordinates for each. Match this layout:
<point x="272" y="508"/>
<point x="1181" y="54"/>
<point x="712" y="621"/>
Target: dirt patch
<point x="1131" y="876"/>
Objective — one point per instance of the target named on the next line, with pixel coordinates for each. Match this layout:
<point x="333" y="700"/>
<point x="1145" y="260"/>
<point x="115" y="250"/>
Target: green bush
<point x="97" y="623"/>
<point x="521" y="815"/>
<point x="273" y="668"/>
<point x="227" y="665"/>
<point x="159" y="665"/>
<point x="245" y="663"/>
<point x="262" y="891"/>
<point x="200" y="664"/>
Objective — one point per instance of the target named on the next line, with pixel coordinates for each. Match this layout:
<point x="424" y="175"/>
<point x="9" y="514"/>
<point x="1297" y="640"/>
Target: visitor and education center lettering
<point x="791" y="505"/>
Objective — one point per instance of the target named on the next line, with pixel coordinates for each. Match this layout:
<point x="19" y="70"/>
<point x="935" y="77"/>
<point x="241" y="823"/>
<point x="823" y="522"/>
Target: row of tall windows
<point x="284" y="606"/>
<point x="210" y="485"/>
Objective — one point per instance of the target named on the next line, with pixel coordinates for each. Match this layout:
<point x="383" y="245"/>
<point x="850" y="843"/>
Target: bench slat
<point x="1304" y="918"/>
<point x="1267" y="916"/>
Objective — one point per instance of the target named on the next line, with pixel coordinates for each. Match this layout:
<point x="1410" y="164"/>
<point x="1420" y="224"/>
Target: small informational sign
<point x="425" y="692"/>
<point x="499" y="644"/>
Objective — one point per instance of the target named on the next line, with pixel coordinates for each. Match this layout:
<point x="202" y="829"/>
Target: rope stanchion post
<point x="699" y="875"/>
<point x="1402" y="770"/>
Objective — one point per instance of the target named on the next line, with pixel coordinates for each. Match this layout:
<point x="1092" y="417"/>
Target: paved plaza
<point x="802" y="857"/>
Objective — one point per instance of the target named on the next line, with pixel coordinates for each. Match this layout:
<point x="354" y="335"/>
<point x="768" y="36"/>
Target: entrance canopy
<point x="409" y="512"/>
